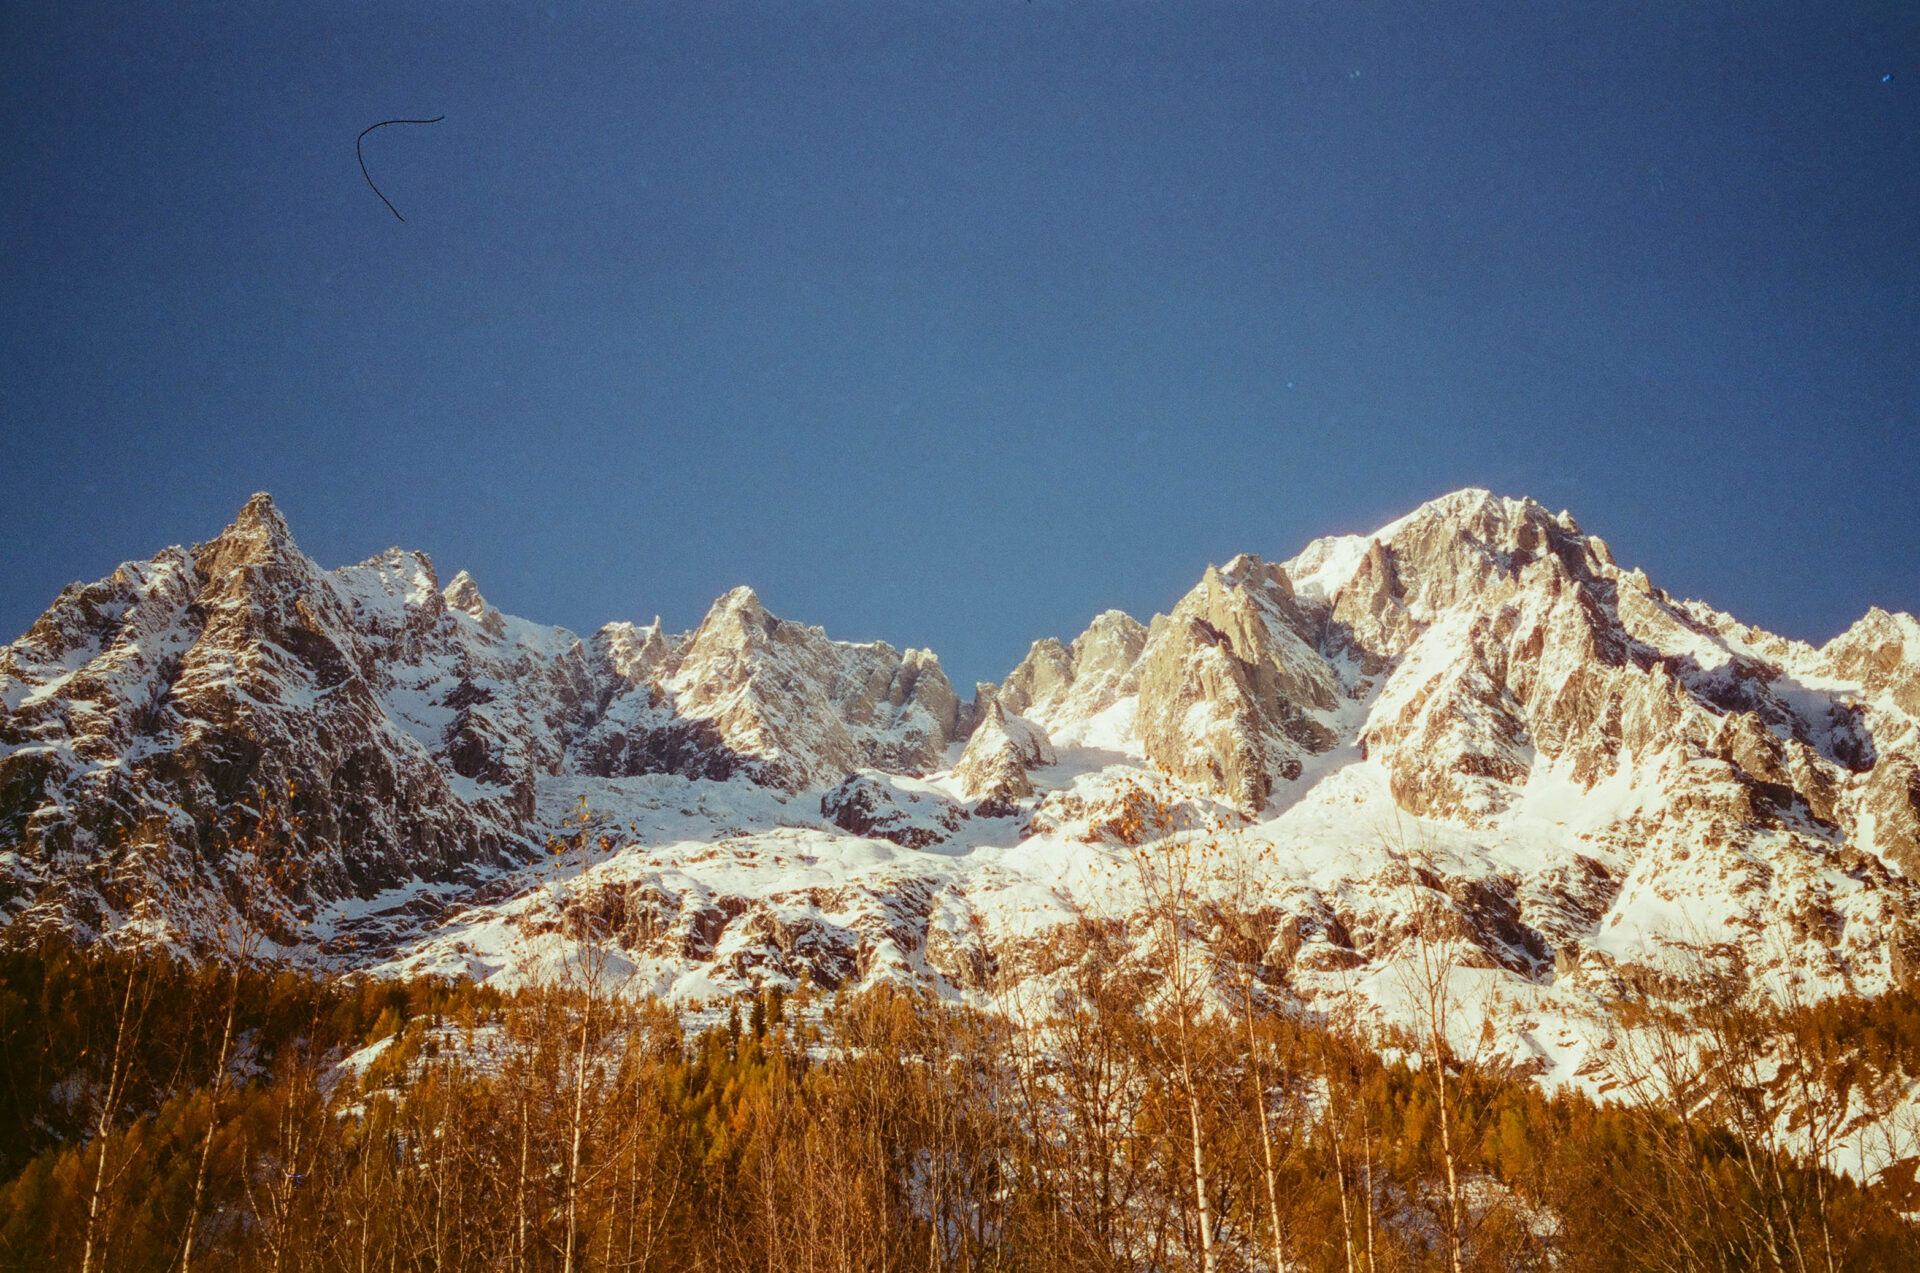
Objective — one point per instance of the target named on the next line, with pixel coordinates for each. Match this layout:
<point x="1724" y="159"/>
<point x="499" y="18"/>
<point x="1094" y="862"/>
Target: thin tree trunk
<point x="1366" y="1151"/>
<point x="1199" y="1157"/>
<point x="213" y="1121"/>
<point x="573" y="1160"/>
<point x="1340" y="1176"/>
<point x="1266" y="1128"/>
<point x="520" y="1192"/>
<point x="1446" y="1150"/>
<point x="103" y="1127"/>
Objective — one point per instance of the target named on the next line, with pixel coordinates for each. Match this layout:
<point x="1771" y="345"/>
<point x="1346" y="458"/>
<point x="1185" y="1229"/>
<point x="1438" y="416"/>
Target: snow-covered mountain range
<point x="1474" y="705"/>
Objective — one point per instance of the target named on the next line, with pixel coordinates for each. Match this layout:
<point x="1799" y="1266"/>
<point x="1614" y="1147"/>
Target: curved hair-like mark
<point x="363" y="159"/>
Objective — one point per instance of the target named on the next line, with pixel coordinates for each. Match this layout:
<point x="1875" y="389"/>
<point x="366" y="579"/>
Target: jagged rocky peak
<point x="1058" y="685"/>
<point x="1041" y="678"/>
<point x="1877" y="736"/>
<point x="1469" y="534"/>
<point x="1232" y="692"/>
<point x="258" y="536"/>
<point x="971" y="714"/>
<point x="1110" y="646"/>
<point x="1105" y="662"/>
<point x="993" y="770"/>
<point x="737" y="620"/>
<point x="1252" y="602"/>
<point x="733" y="643"/>
<point x="780" y="702"/>
<point x="463" y="594"/>
<point x="1380" y="589"/>
<point x="1598" y="764"/>
<point x="1882" y="653"/>
<point x="97" y="615"/>
<point x="775" y="701"/>
<point x="411" y="743"/>
<point x="252" y="574"/>
<point x="634" y="654"/>
<point x="1481" y="662"/>
<point x="1510" y="645"/>
<point x="922" y="684"/>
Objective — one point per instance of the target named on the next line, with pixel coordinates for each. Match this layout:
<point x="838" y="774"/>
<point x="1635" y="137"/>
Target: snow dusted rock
<point x="993" y="770"/>
<point x="1056" y="685"/>
<point x="1514" y="658"/>
<point x="1474" y="709"/>
<point x="790" y="708"/>
<point x="868" y="804"/>
<point x="1042" y="678"/>
<point x="1877" y="733"/>
<point x="628" y="654"/>
<point x="920" y="687"/>
<point x="1882" y="653"/>
<point x="463" y="594"/>
<point x="144" y="716"/>
<point x="1231" y="691"/>
<point x="1105" y="657"/>
<point x="772" y="701"/>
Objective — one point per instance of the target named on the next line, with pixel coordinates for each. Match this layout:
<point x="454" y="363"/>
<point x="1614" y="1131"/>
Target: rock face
<point x="1505" y="678"/>
<point x="1516" y="645"/>
<point x="1042" y="678"/>
<point x="1232" y="691"/>
<point x="1062" y="683"/>
<point x="1876" y="736"/>
<point x="993" y="770"/>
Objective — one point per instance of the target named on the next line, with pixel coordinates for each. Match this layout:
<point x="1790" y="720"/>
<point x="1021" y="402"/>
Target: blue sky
<point x="954" y="324"/>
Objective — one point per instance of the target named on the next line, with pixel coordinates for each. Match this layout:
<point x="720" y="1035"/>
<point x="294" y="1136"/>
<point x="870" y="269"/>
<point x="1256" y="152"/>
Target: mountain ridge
<point x="1602" y="783"/>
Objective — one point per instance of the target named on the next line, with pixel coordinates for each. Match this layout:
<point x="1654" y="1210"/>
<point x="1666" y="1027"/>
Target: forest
<point x="160" y="1115"/>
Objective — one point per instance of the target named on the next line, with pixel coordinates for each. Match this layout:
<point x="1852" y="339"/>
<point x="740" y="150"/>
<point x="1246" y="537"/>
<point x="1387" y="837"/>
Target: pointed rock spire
<point x="463" y="594"/>
<point x="1042" y="676"/>
<point x="1231" y="692"/>
<point x="735" y="621"/>
<point x="635" y="654"/>
<point x="257" y="536"/>
<point x="1004" y="746"/>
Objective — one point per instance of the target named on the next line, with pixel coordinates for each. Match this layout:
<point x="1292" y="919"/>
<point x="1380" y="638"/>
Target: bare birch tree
<point x="1427" y="976"/>
<point x="1168" y="872"/>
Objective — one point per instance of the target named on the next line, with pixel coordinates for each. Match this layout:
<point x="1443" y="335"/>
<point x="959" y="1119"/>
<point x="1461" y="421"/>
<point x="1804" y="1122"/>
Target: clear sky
<point x="954" y="324"/>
